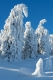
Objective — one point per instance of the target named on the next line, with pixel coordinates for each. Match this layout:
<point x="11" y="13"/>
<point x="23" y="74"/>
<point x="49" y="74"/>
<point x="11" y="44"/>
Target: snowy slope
<point x="21" y="70"/>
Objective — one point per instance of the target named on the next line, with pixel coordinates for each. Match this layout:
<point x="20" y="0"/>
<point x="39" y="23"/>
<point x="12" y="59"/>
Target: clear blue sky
<point x="37" y="10"/>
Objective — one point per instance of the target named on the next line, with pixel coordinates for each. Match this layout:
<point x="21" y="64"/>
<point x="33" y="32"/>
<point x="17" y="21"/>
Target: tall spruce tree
<point x="30" y="43"/>
<point x="42" y="38"/>
<point x="11" y="41"/>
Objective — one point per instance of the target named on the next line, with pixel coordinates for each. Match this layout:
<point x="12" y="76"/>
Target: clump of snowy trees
<point x="20" y="42"/>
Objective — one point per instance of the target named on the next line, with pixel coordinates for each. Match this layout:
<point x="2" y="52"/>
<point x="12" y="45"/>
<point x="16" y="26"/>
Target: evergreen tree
<point x="30" y="43"/>
<point x="12" y="35"/>
<point x="42" y="39"/>
<point x="51" y="43"/>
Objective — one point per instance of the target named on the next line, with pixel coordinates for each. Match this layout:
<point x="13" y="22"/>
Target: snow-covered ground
<point x="22" y="70"/>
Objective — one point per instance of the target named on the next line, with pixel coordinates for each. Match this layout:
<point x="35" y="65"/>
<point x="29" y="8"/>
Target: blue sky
<point x="37" y="10"/>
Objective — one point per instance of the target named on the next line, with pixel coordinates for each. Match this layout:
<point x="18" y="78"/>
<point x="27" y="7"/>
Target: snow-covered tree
<point x="0" y="44"/>
<point x="42" y="38"/>
<point x="30" y="42"/>
<point x="12" y="36"/>
<point x="51" y="43"/>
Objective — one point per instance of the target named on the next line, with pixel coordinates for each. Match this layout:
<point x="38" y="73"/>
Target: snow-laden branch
<point x="42" y="22"/>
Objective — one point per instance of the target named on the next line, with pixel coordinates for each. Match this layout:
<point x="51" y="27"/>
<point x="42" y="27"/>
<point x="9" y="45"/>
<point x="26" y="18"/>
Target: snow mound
<point x="48" y="65"/>
<point x="39" y="68"/>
